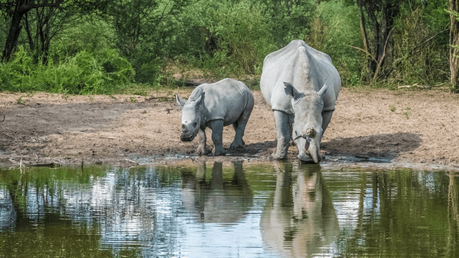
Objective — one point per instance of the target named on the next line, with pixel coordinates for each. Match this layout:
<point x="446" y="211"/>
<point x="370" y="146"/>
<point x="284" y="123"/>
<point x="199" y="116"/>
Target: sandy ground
<point x="402" y="128"/>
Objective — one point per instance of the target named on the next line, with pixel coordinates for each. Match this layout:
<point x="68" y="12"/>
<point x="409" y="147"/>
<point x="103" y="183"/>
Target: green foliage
<point x="20" y="101"/>
<point x="417" y="57"/>
<point x="333" y="31"/>
<point x="82" y="74"/>
<point x="92" y="34"/>
<point x="148" y="31"/>
<point x="140" y="44"/>
<point x="288" y="20"/>
<point x="237" y="37"/>
<point x="454" y="52"/>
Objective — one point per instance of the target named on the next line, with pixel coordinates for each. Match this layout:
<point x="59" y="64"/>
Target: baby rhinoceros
<point x="216" y="105"/>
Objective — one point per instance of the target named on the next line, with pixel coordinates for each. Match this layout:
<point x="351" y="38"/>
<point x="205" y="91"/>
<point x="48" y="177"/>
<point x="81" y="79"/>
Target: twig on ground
<point x="414" y="85"/>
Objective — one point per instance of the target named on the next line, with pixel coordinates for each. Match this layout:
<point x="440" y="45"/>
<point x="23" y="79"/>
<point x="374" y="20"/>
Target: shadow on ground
<point x="252" y="149"/>
<point x="386" y="146"/>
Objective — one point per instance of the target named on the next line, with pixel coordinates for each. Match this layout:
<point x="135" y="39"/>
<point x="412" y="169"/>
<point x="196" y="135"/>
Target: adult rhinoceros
<point x="216" y="105"/>
<point x="301" y="85"/>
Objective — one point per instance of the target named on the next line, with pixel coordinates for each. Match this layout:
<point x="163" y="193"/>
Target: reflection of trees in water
<point x="111" y="209"/>
<point x="399" y="213"/>
<point x="299" y="219"/>
<point x="453" y="215"/>
<point x="217" y="200"/>
<point x="403" y="213"/>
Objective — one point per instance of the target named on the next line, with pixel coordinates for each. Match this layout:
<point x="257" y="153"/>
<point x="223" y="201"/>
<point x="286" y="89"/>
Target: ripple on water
<point x="208" y="210"/>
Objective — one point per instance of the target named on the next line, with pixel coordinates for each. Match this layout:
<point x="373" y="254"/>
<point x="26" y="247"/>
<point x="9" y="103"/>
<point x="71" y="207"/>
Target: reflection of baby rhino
<point x="216" y="105"/>
<point x="219" y="200"/>
<point x="300" y="218"/>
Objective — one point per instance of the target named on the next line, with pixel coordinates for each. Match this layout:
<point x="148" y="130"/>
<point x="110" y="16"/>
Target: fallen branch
<point x="414" y="85"/>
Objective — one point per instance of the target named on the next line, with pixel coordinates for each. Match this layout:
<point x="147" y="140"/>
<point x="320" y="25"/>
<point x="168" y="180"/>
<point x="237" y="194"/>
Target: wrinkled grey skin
<point x="216" y="105"/>
<point x="301" y="85"/>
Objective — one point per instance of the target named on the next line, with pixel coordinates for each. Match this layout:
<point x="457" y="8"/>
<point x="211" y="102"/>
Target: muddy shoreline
<point x="370" y="128"/>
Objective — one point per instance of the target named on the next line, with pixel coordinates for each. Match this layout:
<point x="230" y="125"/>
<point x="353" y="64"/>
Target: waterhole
<point x="232" y="210"/>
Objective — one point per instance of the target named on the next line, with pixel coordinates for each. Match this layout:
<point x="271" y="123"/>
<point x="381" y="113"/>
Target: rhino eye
<point x="195" y="124"/>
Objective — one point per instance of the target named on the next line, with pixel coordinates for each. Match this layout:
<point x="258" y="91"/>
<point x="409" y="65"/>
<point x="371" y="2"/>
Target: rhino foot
<point x="218" y="151"/>
<point x="236" y="146"/>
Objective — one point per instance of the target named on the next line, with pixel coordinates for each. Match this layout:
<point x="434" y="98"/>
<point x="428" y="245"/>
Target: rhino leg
<point x="240" y="124"/>
<point x="201" y="142"/>
<point x="283" y="134"/>
<point x="217" y="137"/>
<point x="239" y="128"/>
<point x="326" y="117"/>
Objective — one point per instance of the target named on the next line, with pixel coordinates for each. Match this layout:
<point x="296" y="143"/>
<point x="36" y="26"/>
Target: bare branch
<point x="414" y="51"/>
<point x="381" y="58"/>
<point x="31" y="5"/>
<point x="366" y="52"/>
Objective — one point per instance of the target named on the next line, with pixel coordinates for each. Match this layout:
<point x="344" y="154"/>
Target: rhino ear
<point x="180" y="101"/>
<point x="323" y="90"/>
<point x="288" y="89"/>
<point x="199" y="100"/>
<point x="291" y="91"/>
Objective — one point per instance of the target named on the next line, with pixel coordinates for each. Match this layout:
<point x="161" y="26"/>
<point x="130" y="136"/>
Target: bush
<point x="288" y="20"/>
<point x="334" y="29"/>
<point x="82" y="74"/>
<point x="238" y="35"/>
<point x="410" y="64"/>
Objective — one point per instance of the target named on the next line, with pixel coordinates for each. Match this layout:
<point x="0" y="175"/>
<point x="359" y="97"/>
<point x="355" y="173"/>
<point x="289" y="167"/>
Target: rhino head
<point x="307" y="129"/>
<point x="192" y="116"/>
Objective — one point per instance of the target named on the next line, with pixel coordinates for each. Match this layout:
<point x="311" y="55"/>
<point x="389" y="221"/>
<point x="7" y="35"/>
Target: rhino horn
<point x="314" y="152"/>
<point x="180" y="101"/>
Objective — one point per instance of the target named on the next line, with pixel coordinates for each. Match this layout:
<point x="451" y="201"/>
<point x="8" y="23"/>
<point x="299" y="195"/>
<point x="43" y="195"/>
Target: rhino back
<point x="226" y="99"/>
<point x="305" y="68"/>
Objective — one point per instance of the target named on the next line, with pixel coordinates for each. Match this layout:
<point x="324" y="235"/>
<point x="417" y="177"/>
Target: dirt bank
<point x="397" y="128"/>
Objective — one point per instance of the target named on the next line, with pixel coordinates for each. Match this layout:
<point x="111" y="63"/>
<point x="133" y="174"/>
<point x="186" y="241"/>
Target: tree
<point x="454" y="43"/>
<point x="145" y="32"/>
<point x="18" y="11"/>
<point x="381" y="16"/>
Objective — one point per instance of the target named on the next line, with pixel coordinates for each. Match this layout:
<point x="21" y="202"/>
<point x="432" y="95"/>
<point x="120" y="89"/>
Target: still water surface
<point x="210" y="210"/>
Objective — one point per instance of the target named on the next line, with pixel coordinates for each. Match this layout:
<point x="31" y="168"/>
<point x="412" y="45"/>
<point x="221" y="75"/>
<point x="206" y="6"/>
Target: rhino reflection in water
<point x="217" y="200"/>
<point x="299" y="219"/>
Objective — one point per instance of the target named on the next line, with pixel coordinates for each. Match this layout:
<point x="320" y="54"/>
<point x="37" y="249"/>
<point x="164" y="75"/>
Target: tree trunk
<point x="13" y="34"/>
<point x="454" y="41"/>
<point x="381" y="15"/>
<point x="363" y="32"/>
<point x="44" y="33"/>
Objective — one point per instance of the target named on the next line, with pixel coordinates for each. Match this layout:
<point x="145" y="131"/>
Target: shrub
<point x="333" y="30"/>
<point x="81" y="74"/>
<point x="239" y="33"/>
